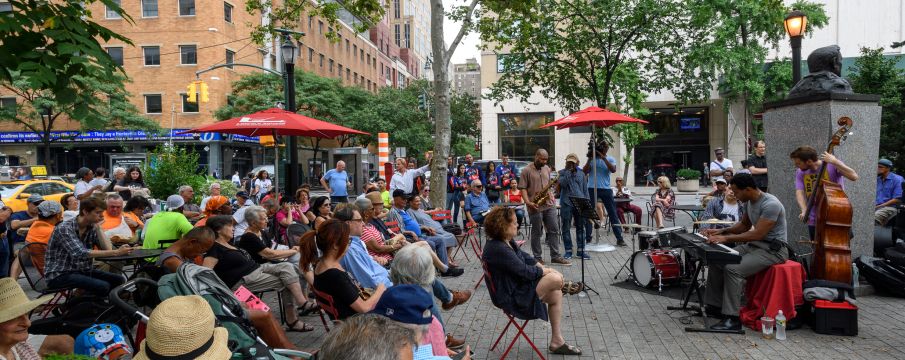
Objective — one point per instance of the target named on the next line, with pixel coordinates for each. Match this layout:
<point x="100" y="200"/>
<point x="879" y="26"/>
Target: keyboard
<point x="712" y="254"/>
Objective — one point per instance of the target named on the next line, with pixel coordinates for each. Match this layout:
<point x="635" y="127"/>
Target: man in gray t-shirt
<point x="761" y="233"/>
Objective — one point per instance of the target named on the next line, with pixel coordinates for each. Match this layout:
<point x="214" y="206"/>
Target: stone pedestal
<point x="811" y="121"/>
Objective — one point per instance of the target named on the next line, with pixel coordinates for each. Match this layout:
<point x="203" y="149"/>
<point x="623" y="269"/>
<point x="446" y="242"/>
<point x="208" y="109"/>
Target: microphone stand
<point x="584" y="210"/>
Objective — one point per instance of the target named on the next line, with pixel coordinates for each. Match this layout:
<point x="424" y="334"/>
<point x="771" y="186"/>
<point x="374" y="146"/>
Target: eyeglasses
<point x="479" y="186"/>
<point x="359" y="220"/>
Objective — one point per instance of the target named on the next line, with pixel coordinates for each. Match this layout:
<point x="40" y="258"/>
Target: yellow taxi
<point x="15" y="193"/>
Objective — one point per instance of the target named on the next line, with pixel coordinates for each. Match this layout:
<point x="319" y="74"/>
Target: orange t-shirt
<point x="111" y="222"/>
<point x="39" y="232"/>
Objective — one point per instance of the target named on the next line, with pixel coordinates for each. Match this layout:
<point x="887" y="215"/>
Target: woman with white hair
<point x="414" y="266"/>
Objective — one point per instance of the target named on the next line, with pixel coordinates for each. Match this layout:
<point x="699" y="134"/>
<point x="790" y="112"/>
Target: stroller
<point x="193" y="279"/>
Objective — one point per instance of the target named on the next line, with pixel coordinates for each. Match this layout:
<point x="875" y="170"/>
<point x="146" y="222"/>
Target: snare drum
<point x="647" y="239"/>
<point x="665" y="236"/>
<point x="652" y="268"/>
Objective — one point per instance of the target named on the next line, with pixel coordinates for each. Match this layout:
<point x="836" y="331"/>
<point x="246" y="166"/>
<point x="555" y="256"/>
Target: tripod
<point x="626" y="266"/>
<point x="584" y="210"/>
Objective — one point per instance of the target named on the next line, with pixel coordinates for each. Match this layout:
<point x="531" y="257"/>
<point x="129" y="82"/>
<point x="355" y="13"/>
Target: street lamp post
<point x="796" y="24"/>
<point x="288" y="50"/>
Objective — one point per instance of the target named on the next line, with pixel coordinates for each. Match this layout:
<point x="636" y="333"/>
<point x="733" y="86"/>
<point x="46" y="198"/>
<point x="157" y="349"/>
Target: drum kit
<point x="658" y="260"/>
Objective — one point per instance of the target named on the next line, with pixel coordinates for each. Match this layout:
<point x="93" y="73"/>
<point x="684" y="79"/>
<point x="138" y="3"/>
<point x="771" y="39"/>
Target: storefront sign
<point x="120" y="135"/>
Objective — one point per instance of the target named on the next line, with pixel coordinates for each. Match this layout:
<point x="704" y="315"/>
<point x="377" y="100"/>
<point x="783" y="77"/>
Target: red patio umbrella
<point x="277" y="122"/>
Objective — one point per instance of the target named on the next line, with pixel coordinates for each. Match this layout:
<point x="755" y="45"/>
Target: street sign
<point x="400" y="152"/>
<point x="207" y="137"/>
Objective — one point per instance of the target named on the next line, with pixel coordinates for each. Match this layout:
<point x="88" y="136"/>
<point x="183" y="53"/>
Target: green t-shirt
<point x="165" y="225"/>
<point x="385" y="195"/>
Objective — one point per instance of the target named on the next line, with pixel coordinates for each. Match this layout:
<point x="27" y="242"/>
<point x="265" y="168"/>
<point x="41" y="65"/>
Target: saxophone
<point x="544" y="195"/>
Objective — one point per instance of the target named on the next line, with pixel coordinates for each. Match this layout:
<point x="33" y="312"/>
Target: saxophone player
<point x="537" y="182"/>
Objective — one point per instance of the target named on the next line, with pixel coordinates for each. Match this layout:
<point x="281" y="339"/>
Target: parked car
<point x="15" y="193"/>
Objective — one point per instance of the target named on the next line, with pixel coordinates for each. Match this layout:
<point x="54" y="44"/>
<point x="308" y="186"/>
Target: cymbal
<point x="635" y="226"/>
<point x="726" y="222"/>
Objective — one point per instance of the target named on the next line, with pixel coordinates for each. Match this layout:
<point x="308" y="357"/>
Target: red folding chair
<point x="469" y="233"/>
<point x="512" y="321"/>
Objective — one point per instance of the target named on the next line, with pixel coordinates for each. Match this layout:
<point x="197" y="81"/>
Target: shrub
<point x="688" y="174"/>
<point x="227" y="188"/>
<point x="171" y="167"/>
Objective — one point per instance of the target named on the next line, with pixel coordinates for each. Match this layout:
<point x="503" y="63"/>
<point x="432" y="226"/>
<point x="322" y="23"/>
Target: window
<point x="396" y="11"/>
<point x="347" y="45"/>
<point x="186" y="7"/>
<point x="230" y="58"/>
<point x="331" y="66"/>
<point x="148" y="8"/>
<point x="35" y="189"/>
<point x="188" y="54"/>
<point x="320" y="26"/>
<point x="348" y="75"/>
<point x="339" y="68"/>
<point x="54" y="188"/>
<point x="117" y="54"/>
<point x="408" y="35"/>
<point x="153" y="104"/>
<point x="310" y="55"/>
<point x="227" y="12"/>
<point x="310" y="22"/>
<point x="354" y="50"/>
<point x="362" y="54"/>
<point x="8" y="104"/>
<point x="369" y="59"/>
<point x="110" y="13"/>
<point x="396" y="34"/>
<point x="152" y="55"/>
<point x="321" y="60"/>
<point x="521" y="136"/>
<point x="188" y="107"/>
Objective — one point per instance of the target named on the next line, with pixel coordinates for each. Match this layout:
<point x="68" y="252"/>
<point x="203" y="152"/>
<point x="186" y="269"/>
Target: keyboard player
<point x="761" y="235"/>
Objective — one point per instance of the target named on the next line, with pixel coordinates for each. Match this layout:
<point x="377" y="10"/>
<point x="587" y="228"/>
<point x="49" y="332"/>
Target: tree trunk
<point x="47" y="155"/>
<point x="441" y="106"/>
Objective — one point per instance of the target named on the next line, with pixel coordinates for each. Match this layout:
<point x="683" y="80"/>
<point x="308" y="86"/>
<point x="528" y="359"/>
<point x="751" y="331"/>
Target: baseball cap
<point x="885" y="162"/>
<point x="49" y="208"/>
<point x="406" y="303"/>
<point x="572" y="157"/>
<point x="175" y="201"/>
<point x="35" y="199"/>
<point x="242" y="194"/>
<point x="398" y="193"/>
<point x="721" y="180"/>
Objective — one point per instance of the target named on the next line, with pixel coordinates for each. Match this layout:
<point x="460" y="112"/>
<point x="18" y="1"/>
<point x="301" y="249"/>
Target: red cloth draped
<point x="777" y="288"/>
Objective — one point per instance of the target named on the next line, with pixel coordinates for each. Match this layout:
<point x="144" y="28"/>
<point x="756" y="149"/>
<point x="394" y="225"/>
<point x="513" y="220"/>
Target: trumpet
<point x="544" y="195"/>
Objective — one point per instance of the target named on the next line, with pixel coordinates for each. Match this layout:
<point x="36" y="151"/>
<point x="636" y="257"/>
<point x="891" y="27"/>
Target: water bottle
<point x="780" y="326"/>
<point x="855" y="276"/>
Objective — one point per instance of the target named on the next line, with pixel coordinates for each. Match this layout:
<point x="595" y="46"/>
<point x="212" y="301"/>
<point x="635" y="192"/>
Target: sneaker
<point x="561" y="261"/>
<point x="452" y="272"/>
<point x="458" y="298"/>
<point x="453" y="343"/>
<point x="568" y="255"/>
<point x="621" y="243"/>
<point x="584" y="255"/>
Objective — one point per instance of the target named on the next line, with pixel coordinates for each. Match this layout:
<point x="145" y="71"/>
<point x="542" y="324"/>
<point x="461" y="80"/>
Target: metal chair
<point x="34" y="274"/>
<point x="520" y="328"/>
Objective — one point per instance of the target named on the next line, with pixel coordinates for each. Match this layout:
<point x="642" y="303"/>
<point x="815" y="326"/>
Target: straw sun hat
<point x="184" y="326"/>
<point x="14" y="302"/>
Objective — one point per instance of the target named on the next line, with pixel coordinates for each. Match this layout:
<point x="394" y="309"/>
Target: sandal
<point x="572" y="288"/>
<point x="306" y="327"/>
<point x="566" y="349"/>
<point x="309" y="307"/>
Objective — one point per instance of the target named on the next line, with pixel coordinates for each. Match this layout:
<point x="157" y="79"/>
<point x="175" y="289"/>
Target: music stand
<point x="584" y="209"/>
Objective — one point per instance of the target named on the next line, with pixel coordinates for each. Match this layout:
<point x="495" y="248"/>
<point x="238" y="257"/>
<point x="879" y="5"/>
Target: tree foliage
<point x="55" y="46"/>
<point x="873" y="73"/>
<point x="171" y="167"/>
<point x="287" y="14"/>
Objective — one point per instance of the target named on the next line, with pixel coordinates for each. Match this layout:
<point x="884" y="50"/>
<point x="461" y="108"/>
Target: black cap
<point x="398" y="193"/>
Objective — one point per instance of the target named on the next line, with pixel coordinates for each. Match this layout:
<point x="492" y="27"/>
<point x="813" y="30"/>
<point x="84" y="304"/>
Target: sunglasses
<point x="479" y="186"/>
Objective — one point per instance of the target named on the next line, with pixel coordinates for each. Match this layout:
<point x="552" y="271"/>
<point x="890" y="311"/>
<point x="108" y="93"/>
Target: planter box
<point x="691" y="185"/>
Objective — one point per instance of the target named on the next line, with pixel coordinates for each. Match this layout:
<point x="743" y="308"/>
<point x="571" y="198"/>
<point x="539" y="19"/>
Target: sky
<point x="468" y="48"/>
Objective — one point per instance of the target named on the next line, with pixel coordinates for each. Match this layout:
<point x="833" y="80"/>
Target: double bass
<point x="832" y="251"/>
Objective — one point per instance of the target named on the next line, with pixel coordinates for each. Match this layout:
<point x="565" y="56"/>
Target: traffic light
<point x="203" y="91"/>
<point x="192" y="90"/>
<point x="422" y="101"/>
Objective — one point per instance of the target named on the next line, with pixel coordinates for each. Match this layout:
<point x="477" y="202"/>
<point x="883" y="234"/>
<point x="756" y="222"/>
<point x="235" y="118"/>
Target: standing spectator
<point x="889" y="192"/>
<point x="99" y="174"/>
<point x="719" y="165"/>
<point x="455" y="192"/>
<point x="191" y="211"/>
<point x="384" y="192"/>
<point x="167" y="225"/>
<point x="236" y="179"/>
<point x="213" y="190"/>
<point x="118" y="175"/>
<point x="506" y="171"/>
<point x="599" y="180"/>
<point x="493" y="185"/>
<point x="82" y="189"/>
<point x="572" y="183"/>
<point x="472" y="170"/>
<point x="261" y="185"/>
<point x="404" y="179"/>
<point x="336" y="182"/>
<point x="71" y="249"/>
<point x="622" y="192"/>
<point x="757" y="165"/>
<point x="418" y="182"/>
<point x="131" y="184"/>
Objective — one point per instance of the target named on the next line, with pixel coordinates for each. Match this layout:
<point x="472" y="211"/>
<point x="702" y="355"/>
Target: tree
<point x="171" y="167"/>
<point x="465" y="123"/>
<point x="54" y="47"/>
<point x="873" y="73"/>
<point x="106" y="101"/>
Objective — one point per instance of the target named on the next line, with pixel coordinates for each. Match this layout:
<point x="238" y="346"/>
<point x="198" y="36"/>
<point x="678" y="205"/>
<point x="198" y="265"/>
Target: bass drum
<point x="652" y="268"/>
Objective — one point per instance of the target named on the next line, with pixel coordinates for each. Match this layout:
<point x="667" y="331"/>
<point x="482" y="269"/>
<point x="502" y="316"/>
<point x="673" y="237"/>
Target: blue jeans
<point x="94" y="281"/>
<point x="339" y="199"/>
<point x="443" y="294"/>
<point x="439" y="247"/>
<point x="520" y="216"/>
<point x="452" y="204"/>
<point x="606" y="196"/>
<point x="582" y="227"/>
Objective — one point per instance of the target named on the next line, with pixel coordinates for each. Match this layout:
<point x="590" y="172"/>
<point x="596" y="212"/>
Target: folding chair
<point x="325" y="301"/>
<point x="668" y="215"/>
<point x="260" y="295"/>
<point x="467" y="235"/>
<point x="34" y="274"/>
<point x="512" y="321"/>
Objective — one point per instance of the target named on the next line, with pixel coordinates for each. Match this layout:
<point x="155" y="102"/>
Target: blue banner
<point x="121" y="135"/>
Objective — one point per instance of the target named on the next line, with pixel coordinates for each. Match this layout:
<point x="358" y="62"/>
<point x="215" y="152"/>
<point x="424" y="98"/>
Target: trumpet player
<point x="537" y="182"/>
<point x="572" y="183"/>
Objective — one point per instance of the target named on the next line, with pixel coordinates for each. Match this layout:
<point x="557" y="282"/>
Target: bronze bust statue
<point x="825" y="66"/>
